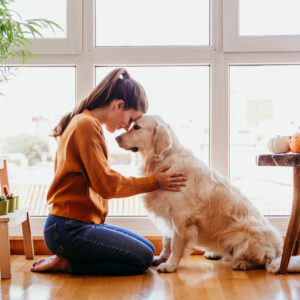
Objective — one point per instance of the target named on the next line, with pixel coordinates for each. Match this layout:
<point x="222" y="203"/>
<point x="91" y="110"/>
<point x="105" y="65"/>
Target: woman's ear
<point x="119" y="104"/>
<point x="162" y="139"/>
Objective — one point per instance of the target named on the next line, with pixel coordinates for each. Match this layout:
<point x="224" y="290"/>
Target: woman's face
<point x="119" y="118"/>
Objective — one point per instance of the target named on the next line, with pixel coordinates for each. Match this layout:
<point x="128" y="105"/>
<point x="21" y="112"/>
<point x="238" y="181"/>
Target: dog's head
<point x="149" y="134"/>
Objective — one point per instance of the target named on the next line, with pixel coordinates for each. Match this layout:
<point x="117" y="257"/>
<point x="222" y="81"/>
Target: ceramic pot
<point x="3" y="207"/>
<point x="11" y="205"/>
<point x="17" y="202"/>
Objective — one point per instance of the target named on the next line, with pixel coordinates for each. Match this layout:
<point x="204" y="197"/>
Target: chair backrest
<point x="3" y="173"/>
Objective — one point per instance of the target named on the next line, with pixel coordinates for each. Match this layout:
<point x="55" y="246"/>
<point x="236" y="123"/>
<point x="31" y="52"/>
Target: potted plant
<point x="3" y="205"/>
<point x="11" y="199"/>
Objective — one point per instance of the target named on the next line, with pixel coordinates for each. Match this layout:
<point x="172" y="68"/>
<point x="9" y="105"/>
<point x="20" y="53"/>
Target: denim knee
<point x="146" y="260"/>
<point x="52" y="240"/>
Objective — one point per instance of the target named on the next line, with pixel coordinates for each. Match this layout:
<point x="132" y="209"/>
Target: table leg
<point x="293" y="228"/>
<point x="4" y="252"/>
<point x="28" y="245"/>
<point x="297" y="245"/>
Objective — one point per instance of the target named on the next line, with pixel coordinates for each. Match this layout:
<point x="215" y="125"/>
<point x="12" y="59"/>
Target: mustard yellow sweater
<point x="83" y="181"/>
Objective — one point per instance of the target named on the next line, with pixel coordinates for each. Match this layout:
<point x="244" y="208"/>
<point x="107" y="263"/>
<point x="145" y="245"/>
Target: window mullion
<point x="84" y="79"/>
<point x="219" y="117"/>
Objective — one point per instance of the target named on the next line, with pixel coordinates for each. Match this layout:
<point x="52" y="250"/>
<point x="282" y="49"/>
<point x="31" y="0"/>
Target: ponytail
<point x="116" y="85"/>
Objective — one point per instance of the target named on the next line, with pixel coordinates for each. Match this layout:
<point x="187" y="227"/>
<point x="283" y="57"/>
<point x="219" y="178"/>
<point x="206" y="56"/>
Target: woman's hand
<point x="169" y="181"/>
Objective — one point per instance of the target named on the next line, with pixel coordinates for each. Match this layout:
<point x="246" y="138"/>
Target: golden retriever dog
<point x="209" y="212"/>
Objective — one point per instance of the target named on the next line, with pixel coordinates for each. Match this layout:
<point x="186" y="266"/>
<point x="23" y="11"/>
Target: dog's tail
<point x="293" y="267"/>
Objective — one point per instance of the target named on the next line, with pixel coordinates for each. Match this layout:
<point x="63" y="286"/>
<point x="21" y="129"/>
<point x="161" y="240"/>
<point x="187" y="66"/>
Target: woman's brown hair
<point x="116" y="85"/>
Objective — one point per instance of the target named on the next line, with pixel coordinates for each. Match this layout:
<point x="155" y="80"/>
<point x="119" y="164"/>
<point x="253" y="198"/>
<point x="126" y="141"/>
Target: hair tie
<point x="126" y="75"/>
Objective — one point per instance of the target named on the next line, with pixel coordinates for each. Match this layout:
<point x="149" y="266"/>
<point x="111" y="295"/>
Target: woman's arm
<point x="107" y="182"/>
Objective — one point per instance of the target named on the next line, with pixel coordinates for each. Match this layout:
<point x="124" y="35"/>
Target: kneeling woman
<point x="75" y="230"/>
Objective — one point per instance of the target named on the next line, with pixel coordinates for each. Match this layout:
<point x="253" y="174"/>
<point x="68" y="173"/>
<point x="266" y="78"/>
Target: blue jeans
<point x="97" y="248"/>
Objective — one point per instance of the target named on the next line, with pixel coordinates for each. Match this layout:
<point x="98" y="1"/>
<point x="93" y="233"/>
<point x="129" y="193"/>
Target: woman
<point x="75" y="230"/>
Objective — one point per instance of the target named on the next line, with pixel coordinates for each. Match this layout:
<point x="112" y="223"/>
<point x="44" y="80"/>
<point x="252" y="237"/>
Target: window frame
<point x="233" y="42"/>
<point x="141" y="225"/>
<point x="214" y="56"/>
<point x="72" y="44"/>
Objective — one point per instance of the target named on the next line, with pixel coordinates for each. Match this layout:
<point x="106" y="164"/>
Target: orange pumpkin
<point x="295" y="143"/>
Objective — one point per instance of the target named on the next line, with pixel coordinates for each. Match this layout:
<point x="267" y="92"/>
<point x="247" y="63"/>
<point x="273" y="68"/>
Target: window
<point x="235" y="77"/>
<point x="54" y="10"/>
<point x="32" y="103"/>
<point x="272" y="17"/>
<point x="155" y="22"/>
<point x="66" y="13"/>
<point x="261" y="25"/>
<point x="190" y="104"/>
<point x="264" y="102"/>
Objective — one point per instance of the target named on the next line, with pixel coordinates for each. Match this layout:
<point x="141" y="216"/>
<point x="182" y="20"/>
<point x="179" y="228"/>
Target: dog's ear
<point x="162" y="139"/>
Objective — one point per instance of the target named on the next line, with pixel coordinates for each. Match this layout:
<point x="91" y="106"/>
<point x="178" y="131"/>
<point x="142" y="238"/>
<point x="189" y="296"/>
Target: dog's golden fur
<point x="209" y="212"/>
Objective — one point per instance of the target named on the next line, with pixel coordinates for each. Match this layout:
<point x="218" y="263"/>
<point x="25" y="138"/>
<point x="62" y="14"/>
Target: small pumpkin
<point x="279" y="144"/>
<point x="294" y="143"/>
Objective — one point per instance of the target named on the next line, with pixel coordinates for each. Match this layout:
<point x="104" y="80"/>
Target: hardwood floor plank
<point x="196" y="278"/>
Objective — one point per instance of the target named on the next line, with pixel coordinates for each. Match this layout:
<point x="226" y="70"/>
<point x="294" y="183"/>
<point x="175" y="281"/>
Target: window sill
<point x="141" y="225"/>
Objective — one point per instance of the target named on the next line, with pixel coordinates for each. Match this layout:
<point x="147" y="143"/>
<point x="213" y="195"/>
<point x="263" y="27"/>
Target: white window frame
<point x="233" y="42"/>
<point x="214" y="56"/>
<point x="141" y="225"/>
<point x="72" y="44"/>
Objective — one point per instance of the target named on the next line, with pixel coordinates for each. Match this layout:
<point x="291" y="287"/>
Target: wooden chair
<point x="292" y="238"/>
<point x="3" y="172"/>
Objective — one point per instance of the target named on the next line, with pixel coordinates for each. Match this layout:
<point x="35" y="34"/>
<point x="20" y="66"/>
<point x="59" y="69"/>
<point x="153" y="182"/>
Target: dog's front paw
<point x="242" y="265"/>
<point x="157" y="260"/>
<point x="166" y="268"/>
<point x="211" y="255"/>
<point x="274" y="265"/>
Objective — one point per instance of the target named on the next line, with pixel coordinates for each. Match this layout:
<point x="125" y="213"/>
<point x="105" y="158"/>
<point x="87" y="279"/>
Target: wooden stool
<point x="291" y="243"/>
<point x="7" y="221"/>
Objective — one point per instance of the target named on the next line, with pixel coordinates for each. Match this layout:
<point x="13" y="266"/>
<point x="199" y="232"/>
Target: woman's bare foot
<point x="52" y="264"/>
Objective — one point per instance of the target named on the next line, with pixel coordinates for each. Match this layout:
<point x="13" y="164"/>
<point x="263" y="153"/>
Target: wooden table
<point x="20" y="216"/>
<point x="291" y="243"/>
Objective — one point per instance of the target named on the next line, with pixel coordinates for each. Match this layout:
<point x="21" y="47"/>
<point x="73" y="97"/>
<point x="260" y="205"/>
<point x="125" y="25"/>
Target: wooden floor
<point x="196" y="278"/>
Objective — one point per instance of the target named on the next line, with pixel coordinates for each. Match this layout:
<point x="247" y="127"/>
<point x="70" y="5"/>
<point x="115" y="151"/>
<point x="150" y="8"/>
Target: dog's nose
<point x="119" y="139"/>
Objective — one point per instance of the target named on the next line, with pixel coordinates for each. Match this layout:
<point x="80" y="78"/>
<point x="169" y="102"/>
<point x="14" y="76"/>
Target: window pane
<point x="54" y="10"/>
<point x="32" y="103"/>
<point x="264" y="102"/>
<point x="180" y="95"/>
<point x="155" y="22"/>
<point x="269" y="17"/>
